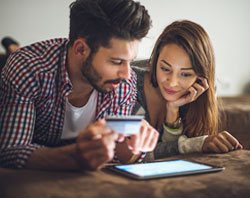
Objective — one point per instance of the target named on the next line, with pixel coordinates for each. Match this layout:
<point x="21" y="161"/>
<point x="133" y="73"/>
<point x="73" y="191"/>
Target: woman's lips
<point x="170" y="91"/>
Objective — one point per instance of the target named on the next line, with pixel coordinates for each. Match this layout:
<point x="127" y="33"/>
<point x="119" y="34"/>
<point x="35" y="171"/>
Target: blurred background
<point x="226" y="21"/>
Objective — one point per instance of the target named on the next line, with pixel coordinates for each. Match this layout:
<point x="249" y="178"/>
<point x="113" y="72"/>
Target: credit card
<point x="126" y="125"/>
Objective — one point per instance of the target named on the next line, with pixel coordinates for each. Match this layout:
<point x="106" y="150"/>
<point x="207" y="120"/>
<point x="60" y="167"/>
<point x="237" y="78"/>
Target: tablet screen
<point x="165" y="168"/>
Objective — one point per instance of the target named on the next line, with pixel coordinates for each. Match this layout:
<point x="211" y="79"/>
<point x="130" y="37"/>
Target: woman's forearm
<point x="172" y="114"/>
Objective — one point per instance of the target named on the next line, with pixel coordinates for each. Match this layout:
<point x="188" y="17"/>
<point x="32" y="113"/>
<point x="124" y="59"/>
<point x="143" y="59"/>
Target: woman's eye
<point x="186" y="74"/>
<point x="165" y="69"/>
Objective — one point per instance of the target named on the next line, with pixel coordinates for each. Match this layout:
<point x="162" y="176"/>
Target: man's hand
<point x="95" y="146"/>
<point x="222" y="142"/>
<point x="144" y="141"/>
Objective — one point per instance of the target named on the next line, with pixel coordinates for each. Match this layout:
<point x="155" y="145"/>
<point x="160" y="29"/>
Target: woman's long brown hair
<point x="201" y="116"/>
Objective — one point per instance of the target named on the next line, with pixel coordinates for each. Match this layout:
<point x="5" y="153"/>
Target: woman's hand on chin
<point x="196" y="90"/>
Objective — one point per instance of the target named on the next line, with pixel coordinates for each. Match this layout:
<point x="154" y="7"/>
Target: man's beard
<point x="93" y="77"/>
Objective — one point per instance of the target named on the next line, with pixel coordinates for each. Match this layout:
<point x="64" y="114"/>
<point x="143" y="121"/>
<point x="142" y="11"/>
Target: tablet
<point x="164" y="169"/>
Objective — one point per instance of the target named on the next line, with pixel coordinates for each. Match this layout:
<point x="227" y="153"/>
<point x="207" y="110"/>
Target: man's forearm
<point x="60" y="158"/>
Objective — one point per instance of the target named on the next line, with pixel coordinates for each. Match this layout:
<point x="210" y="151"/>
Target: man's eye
<point x="117" y="62"/>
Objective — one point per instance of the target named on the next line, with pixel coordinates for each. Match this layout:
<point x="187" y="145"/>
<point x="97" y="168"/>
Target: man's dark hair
<point x="100" y="20"/>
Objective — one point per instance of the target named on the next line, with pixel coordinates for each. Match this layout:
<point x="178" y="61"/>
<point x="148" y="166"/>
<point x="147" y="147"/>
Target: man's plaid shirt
<point x="33" y="88"/>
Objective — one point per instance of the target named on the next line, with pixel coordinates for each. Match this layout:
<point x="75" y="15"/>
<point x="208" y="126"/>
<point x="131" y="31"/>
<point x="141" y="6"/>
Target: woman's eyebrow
<point x="164" y="61"/>
<point x="184" y="68"/>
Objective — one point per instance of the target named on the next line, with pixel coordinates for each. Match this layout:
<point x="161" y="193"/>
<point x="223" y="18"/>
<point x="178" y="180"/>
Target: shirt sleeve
<point x="191" y="145"/>
<point x="174" y="142"/>
<point x="168" y="144"/>
<point x="17" y="114"/>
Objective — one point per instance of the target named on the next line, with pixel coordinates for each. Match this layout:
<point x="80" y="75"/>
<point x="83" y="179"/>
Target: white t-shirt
<point x="78" y="118"/>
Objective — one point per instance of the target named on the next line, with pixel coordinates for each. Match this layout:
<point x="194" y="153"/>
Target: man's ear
<point x="81" y="47"/>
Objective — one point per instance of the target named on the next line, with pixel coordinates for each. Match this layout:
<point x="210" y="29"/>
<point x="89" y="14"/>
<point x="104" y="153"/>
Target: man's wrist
<point x="134" y="158"/>
<point x="124" y="155"/>
<point x="59" y="158"/>
<point x="76" y="157"/>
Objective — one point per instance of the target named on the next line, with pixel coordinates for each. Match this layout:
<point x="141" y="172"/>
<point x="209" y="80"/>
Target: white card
<point x="126" y="125"/>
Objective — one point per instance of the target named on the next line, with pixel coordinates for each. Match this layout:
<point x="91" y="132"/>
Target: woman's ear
<point x="81" y="48"/>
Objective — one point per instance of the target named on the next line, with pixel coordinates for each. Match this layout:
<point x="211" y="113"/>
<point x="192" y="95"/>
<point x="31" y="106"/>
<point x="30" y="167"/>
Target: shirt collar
<point x="66" y="85"/>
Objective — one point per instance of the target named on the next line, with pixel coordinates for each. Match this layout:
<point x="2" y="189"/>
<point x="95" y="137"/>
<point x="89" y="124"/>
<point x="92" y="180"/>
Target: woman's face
<point x="174" y="72"/>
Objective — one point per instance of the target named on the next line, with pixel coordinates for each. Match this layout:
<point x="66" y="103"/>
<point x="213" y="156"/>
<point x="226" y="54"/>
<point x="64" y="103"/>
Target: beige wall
<point x="227" y="22"/>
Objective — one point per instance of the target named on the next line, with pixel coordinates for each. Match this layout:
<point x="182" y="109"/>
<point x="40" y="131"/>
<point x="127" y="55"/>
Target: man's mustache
<point x="115" y="81"/>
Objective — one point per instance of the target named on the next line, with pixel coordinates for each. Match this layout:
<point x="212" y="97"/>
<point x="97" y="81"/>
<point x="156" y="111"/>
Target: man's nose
<point x="124" y="72"/>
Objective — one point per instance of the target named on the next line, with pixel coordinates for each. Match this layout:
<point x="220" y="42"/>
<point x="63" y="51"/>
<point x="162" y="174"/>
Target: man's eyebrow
<point x="116" y="58"/>
<point x="184" y="68"/>
<point x="120" y="59"/>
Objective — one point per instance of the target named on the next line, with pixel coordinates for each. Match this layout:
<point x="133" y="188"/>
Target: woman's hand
<point x="222" y="142"/>
<point x="197" y="89"/>
<point x="145" y="140"/>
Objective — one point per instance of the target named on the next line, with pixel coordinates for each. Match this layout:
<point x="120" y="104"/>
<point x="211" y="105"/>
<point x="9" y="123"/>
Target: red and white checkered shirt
<point x="33" y="88"/>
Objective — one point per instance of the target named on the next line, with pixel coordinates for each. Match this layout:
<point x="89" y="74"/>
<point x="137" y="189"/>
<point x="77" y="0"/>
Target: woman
<point x="178" y="93"/>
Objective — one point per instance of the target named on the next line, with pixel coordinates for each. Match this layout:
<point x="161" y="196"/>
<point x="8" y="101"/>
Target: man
<point x="53" y="92"/>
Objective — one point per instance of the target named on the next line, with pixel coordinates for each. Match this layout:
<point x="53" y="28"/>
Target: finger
<point x="146" y="143"/>
<point x="86" y="146"/>
<point x="143" y="135"/>
<point x="192" y="95"/>
<point x="107" y="142"/>
<point x="154" y="140"/>
<point x="135" y="141"/>
<point x="188" y="97"/>
<point x="101" y="121"/>
<point x="144" y="140"/>
<point x="98" y="158"/>
<point x="222" y="147"/>
<point x="209" y="145"/>
<point x="105" y="155"/>
<point x="204" y="82"/>
<point x="239" y="146"/>
<point x="106" y="145"/>
<point x="132" y="143"/>
<point x="231" y="139"/>
<point x="225" y="141"/>
<point x="200" y="90"/>
<point x="120" y="138"/>
<point x="212" y="148"/>
<point x="95" y="131"/>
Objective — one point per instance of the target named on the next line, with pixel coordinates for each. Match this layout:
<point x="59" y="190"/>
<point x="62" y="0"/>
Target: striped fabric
<point x="33" y="87"/>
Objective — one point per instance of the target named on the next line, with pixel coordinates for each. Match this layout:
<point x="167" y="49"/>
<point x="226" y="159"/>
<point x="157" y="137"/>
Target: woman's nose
<point x="172" y="80"/>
